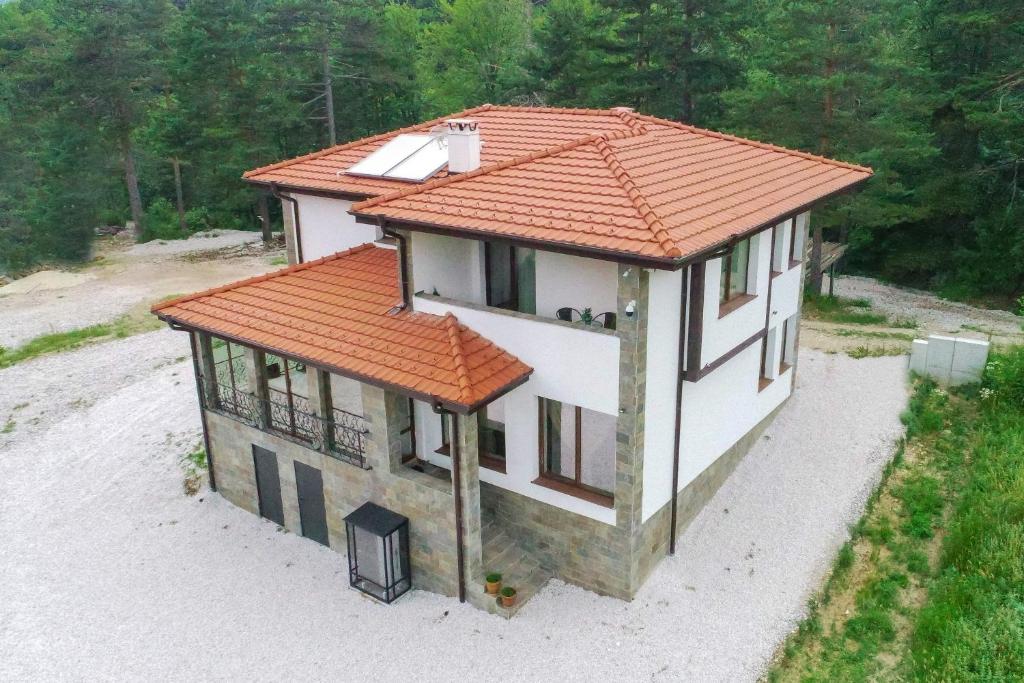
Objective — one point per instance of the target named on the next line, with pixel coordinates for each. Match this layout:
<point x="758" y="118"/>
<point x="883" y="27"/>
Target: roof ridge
<point x="630" y="120"/>
<point x="365" y="140"/>
<point x="499" y="166"/>
<point x="639" y="201"/>
<point x="451" y="324"/>
<point x="582" y="111"/>
<point x="755" y="143"/>
<point x="305" y="265"/>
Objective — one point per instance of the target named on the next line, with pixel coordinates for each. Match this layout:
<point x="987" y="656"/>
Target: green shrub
<point x="161" y="222"/>
<point x="508" y="591"/>
<point x="1004" y="377"/>
<point x="493" y="577"/>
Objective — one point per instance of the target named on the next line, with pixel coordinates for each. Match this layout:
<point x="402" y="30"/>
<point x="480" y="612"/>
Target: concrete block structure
<point x="949" y="360"/>
<point x="544" y="336"/>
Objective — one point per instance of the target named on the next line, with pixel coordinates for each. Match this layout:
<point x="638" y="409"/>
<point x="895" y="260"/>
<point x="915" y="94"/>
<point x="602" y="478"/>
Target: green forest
<point x="104" y="103"/>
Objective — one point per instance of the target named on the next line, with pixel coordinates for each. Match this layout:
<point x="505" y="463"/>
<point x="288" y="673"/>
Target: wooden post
<point x="264" y="208"/>
<point x="176" y="164"/>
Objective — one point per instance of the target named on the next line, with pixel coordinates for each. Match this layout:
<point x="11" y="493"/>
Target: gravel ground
<point x="111" y="573"/>
<point x="201" y="241"/>
<point x="932" y="313"/>
<point x="126" y="279"/>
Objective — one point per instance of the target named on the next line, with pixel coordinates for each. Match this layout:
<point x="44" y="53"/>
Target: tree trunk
<point x="686" y="96"/>
<point x="131" y="181"/>
<point x="329" y="95"/>
<point x="182" y="223"/>
<point x="264" y="208"/>
<point x="828" y="105"/>
<point x="815" y="275"/>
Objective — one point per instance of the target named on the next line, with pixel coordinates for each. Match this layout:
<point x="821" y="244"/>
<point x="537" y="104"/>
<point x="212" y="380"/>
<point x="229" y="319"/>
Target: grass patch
<point x="194" y="465"/>
<point x="931" y="585"/>
<point x="864" y="351"/>
<point x="279" y="261"/>
<point x="57" y="342"/>
<point x="871" y="334"/>
<point x="844" y="310"/>
<point x="8" y="427"/>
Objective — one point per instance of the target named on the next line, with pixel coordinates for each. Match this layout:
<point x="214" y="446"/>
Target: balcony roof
<point x="337" y="313"/>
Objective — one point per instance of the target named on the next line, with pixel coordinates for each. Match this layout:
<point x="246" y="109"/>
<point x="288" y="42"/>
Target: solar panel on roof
<point x="406" y="157"/>
<point x="424" y="162"/>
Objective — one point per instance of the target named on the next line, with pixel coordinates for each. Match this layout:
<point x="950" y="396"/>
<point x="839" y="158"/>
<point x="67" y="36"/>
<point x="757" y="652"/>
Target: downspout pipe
<point x="276" y="192"/>
<point x="680" y="375"/>
<point x="457" y="486"/>
<point x="403" y="267"/>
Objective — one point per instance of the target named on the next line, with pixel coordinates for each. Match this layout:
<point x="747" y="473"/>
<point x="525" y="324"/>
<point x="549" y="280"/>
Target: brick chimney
<point x="463" y="145"/>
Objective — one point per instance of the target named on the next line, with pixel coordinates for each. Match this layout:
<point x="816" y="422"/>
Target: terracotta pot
<point x="508" y="600"/>
<point x="493" y="587"/>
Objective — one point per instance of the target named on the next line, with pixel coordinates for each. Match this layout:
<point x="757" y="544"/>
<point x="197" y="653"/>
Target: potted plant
<point x="587" y="316"/>
<point x="493" y="583"/>
<point x="508" y="596"/>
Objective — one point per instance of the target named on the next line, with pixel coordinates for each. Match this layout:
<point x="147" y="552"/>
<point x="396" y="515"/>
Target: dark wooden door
<point x="312" y="513"/>
<point x="268" y="484"/>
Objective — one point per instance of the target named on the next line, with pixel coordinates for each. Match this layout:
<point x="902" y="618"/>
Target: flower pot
<point x="493" y="587"/>
<point x="508" y="600"/>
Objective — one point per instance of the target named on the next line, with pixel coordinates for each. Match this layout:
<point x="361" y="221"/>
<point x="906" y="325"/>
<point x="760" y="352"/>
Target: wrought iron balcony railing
<point x="342" y="437"/>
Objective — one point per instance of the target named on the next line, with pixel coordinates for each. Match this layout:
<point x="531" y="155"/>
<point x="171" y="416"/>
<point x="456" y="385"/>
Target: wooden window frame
<point x="783" y="365"/>
<point x="411" y="430"/>
<point x="571" y="486"/>
<point x="730" y="303"/>
<point x="793" y="261"/>
<point x="487" y="460"/>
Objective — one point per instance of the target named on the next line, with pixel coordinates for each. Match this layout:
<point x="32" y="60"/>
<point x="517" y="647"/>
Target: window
<point x="491" y="435"/>
<point x="510" y="277"/>
<point x="788" y="344"/>
<point x="577" y="451"/>
<point x="764" y="379"/>
<point x="733" y="285"/>
<point x="288" y="395"/>
<point x="229" y="375"/>
<point x="779" y="248"/>
<point x="796" y="244"/>
<point x="407" y="434"/>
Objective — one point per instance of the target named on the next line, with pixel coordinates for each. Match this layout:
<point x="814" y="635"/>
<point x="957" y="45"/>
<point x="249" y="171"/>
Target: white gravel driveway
<point x="109" y="572"/>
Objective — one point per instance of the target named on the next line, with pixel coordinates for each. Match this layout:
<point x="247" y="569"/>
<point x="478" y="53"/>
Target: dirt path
<point x="127" y="278"/>
<point x="932" y="314"/>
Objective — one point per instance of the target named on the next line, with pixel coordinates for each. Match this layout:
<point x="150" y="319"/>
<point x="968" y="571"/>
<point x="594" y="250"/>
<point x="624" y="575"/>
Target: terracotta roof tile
<point x="653" y="189"/>
<point x="335" y="312"/>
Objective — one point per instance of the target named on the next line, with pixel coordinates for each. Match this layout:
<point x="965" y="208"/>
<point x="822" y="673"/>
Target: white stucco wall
<point x="450" y="265"/>
<point x="572" y="365"/>
<point x="326" y="227"/>
<point x="664" y="307"/>
<point x="725" y="404"/>
<point x="575" y="282"/>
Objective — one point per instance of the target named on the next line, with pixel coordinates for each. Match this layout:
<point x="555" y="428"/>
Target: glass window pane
<point x="526" y="280"/>
<point x="492" y="430"/>
<point x="598" y="450"/>
<point x="560" y="438"/>
<point x="723" y="295"/>
<point x="499" y="275"/>
<point x="738" y="275"/>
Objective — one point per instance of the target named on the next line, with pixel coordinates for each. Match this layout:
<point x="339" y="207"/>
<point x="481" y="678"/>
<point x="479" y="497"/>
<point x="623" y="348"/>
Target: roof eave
<point x="312" y="191"/>
<point x="660" y="263"/>
<point x="432" y="399"/>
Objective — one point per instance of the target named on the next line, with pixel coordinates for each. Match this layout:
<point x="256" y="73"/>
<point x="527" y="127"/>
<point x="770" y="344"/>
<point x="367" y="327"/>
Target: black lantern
<point x="378" y="552"/>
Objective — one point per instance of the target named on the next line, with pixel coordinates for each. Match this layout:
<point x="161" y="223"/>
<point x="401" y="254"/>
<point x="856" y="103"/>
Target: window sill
<point x="487" y="461"/>
<point x="731" y="305"/>
<point x="783" y="367"/>
<point x="602" y="499"/>
<point x="763" y="383"/>
<point x="794" y="264"/>
<point x="774" y="274"/>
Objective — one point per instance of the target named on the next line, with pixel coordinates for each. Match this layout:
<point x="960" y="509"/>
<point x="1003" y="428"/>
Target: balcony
<point x="342" y="436"/>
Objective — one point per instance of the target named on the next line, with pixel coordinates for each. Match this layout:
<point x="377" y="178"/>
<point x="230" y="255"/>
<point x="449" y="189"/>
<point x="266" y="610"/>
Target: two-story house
<point x="543" y="336"/>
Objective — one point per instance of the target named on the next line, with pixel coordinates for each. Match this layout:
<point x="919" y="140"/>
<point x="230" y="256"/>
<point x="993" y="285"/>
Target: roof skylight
<point x="413" y="157"/>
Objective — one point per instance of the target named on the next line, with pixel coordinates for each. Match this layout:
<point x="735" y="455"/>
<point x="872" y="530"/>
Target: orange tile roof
<point x="655" y="189"/>
<point x="507" y="132"/>
<point x="333" y="313"/>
